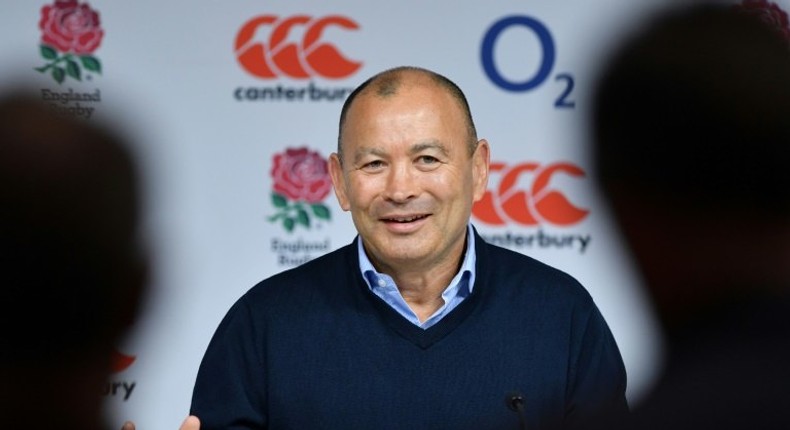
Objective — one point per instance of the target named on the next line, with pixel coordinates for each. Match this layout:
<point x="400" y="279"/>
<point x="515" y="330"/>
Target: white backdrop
<point x="188" y="80"/>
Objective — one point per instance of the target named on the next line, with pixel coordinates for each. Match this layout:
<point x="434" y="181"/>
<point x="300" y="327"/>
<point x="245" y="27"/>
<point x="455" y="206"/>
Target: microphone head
<point x="515" y="401"/>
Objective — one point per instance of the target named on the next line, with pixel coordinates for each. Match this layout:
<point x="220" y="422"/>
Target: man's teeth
<point x="407" y="219"/>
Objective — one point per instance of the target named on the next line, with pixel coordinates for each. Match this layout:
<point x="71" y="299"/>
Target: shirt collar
<point x="468" y="265"/>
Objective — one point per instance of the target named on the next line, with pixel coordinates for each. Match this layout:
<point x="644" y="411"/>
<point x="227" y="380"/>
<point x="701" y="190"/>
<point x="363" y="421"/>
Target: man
<point x="692" y="148"/>
<point x="418" y="323"/>
<point x="73" y="273"/>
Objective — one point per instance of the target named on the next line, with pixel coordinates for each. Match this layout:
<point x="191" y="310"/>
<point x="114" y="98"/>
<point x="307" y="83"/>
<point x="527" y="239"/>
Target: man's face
<point x="408" y="178"/>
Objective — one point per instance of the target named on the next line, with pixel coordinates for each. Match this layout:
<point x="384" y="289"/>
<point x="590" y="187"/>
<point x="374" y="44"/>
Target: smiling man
<point x="418" y="323"/>
<point x="408" y="168"/>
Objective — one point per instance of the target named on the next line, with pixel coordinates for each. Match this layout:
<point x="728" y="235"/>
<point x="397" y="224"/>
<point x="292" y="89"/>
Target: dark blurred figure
<point x="71" y="268"/>
<point x="691" y="130"/>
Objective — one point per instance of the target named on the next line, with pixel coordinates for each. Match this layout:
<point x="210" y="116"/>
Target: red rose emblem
<point x="769" y="13"/>
<point x="301" y="182"/>
<point x="301" y="175"/>
<point x="70" y="27"/>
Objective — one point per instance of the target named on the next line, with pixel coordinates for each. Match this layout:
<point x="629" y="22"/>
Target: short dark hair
<point x="694" y="110"/>
<point x="68" y="234"/>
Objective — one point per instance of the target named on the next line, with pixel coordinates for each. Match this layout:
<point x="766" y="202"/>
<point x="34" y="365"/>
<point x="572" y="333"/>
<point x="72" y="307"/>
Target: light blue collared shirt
<point x="460" y="286"/>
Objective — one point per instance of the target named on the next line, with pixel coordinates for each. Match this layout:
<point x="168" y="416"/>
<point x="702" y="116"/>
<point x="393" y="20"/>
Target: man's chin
<point x="403" y="251"/>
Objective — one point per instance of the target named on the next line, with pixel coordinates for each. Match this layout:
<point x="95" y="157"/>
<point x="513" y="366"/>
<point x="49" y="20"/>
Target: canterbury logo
<point x="530" y="207"/>
<point x="282" y="56"/>
<point x="121" y="361"/>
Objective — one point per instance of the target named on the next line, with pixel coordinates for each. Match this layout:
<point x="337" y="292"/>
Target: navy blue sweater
<point x="313" y="348"/>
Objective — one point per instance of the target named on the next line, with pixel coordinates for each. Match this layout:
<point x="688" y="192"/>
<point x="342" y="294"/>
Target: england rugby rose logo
<point x="301" y="182"/>
<point x="70" y="33"/>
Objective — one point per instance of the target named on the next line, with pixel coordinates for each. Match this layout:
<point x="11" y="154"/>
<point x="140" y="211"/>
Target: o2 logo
<point x="278" y="56"/>
<point x="539" y="204"/>
<point x="546" y="61"/>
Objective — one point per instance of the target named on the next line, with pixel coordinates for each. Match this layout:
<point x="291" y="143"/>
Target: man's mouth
<point x="405" y="219"/>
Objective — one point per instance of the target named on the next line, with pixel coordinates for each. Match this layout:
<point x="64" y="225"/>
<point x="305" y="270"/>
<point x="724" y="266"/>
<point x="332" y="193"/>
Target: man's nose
<point x="402" y="184"/>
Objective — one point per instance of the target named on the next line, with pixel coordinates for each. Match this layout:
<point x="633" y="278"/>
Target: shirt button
<point x="382" y="283"/>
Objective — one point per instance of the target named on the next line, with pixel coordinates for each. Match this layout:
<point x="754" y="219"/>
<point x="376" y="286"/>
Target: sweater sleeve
<point x="229" y="392"/>
<point x="597" y="380"/>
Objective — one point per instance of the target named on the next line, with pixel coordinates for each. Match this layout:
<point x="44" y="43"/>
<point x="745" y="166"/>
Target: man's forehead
<point x="408" y="96"/>
<point x="414" y="148"/>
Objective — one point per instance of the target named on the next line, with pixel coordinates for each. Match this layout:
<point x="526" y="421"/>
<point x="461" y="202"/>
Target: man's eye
<point x="376" y="164"/>
<point x="427" y="159"/>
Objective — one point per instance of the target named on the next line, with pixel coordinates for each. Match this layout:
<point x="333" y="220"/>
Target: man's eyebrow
<point x="365" y="151"/>
<point x="415" y="149"/>
<point x="431" y="144"/>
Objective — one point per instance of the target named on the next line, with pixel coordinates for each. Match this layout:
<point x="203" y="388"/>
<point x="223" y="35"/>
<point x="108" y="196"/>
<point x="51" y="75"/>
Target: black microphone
<point x="515" y="402"/>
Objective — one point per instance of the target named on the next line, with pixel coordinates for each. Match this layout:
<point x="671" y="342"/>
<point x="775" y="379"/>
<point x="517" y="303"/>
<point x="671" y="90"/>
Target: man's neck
<point x="423" y="290"/>
<point x="422" y="285"/>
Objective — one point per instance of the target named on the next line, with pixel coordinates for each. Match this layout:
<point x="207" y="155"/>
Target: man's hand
<point x="191" y="423"/>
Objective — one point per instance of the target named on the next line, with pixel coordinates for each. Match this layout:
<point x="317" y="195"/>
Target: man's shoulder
<point x="516" y="262"/>
<point x="507" y="267"/>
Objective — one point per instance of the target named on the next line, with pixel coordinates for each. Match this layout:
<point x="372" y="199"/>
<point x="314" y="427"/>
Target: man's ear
<point x="481" y="160"/>
<point x="338" y="181"/>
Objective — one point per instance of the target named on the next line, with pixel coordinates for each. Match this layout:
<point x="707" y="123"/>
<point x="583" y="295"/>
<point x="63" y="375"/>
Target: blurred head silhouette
<point x="71" y="269"/>
<point x="692" y="148"/>
<point x="691" y="145"/>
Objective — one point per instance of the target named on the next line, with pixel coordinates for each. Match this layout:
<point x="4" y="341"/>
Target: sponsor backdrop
<point x="234" y="105"/>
